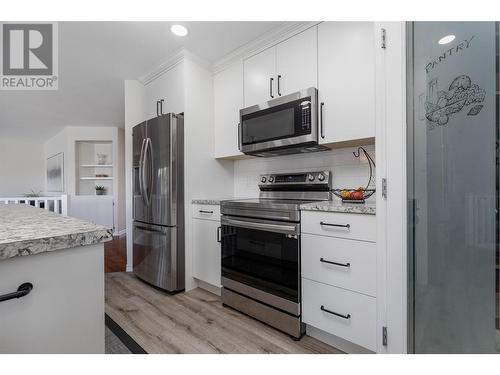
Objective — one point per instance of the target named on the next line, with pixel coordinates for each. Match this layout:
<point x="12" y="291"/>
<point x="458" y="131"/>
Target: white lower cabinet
<point x="339" y="275"/>
<point x="349" y="315"/>
<point x="206" y="248"/>
<point x="343" y="263"/>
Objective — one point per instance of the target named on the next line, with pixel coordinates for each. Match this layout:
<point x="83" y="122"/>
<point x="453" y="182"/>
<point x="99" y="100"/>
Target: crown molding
<point x="269" y="39"/>
<point x="173" y="60"/>
<point x="253" y="47"/>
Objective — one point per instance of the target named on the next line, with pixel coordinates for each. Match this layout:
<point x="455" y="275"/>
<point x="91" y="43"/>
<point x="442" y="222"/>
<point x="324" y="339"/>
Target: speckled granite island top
<point x="214" y="201"/>
<point x="26" y="230"/>
<point x="338" y="206"/>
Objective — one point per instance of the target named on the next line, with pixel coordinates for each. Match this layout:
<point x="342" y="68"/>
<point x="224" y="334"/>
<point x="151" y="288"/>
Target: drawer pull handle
<point x="348" y="316"/>
<point x="206" y="212"/>
<point x="348" y="226"/>
<point x="335" y="263"/>
<point x="23" y="290"/>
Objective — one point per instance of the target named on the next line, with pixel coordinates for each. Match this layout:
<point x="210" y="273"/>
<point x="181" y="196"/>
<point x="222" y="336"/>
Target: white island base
<point x="64" y="313"/>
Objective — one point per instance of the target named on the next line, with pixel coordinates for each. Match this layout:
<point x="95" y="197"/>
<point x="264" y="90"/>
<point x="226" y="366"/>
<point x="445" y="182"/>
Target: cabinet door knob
<point x="271" y="87"/>
<point x="157" y="108"/>
<point x="279" y="88"/>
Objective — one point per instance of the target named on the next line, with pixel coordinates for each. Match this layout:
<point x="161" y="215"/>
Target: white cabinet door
<point x="169" y="87"/>
<point x="152" y="93"/>
<point x="297" y="62"/>
<point x="206" y="252"/>
<point x="260" y="77"/>
<point x="228" y="100"/>
<point x="346" y="80"/>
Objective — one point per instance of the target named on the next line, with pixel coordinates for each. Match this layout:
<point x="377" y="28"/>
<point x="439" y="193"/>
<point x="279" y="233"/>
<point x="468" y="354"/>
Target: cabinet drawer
<point x="206" y="211"/>
<point x="355" y="268"/>
<point x="356" y="319"/>
<point x="339" y="224"/>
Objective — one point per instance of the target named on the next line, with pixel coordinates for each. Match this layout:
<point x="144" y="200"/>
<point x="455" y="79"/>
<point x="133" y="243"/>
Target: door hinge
<point x="384" y="188"/>
<point x="384" y="336"/>
<point x="383" y="39"/>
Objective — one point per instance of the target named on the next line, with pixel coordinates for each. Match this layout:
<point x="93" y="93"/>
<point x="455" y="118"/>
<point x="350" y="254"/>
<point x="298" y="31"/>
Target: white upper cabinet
<point x="346" y="80"/>
<point x="260" y="77"/>
<point x="228" y="100"/>
<point x="297" y="62"/>
<point x="285" y="68"/>
<point x="169" y="87"/>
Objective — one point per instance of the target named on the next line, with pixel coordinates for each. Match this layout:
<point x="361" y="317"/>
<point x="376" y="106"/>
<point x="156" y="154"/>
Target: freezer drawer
<point x="156" y="256"/>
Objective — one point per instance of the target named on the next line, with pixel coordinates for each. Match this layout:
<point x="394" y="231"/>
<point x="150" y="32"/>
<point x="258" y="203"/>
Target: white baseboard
<point x="120" y="233"/>
<point x="209" y="287"/>
<point x="129" y="268"/>
<point x="335" y="341"/>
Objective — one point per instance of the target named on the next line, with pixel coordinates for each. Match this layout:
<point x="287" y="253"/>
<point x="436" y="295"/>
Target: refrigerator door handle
<point x="143" y="174"/>
<point x="141" y="170"/>
<point x="149" y="151"/>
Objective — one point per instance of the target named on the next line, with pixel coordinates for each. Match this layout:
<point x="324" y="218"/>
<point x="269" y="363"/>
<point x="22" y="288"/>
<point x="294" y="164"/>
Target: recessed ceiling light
<point x="179" y="30"/>
<point x="446" y="39"/>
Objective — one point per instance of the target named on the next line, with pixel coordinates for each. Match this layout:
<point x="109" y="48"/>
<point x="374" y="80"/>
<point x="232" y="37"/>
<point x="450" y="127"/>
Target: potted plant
<point x="100" y="190"/>
<point x="32" y="194"/>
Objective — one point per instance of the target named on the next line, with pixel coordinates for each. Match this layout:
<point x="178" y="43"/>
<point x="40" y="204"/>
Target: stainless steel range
<point x="261" y="248"/>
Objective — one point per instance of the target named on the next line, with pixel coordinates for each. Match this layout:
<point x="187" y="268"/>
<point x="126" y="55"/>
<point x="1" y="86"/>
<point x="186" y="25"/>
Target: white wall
<point x="204" y="175"/>
<point x="347" y="171"/>
<point x="134" y="114"/>
<point x="65" y="141"/>
<point x="22" y="166"/>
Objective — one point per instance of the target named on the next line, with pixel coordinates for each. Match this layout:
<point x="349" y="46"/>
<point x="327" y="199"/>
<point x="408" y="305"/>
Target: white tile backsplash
<point x="347" y="170"/>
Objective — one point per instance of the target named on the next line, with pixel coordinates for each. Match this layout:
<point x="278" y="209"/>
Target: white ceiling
<point x="94" y="60"/>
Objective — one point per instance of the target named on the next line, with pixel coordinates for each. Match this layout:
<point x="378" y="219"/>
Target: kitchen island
<point x="62" y="258"/>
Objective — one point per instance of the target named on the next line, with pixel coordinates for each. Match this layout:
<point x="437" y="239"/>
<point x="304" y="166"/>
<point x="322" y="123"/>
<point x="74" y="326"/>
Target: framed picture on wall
<point x="55" y="172"/>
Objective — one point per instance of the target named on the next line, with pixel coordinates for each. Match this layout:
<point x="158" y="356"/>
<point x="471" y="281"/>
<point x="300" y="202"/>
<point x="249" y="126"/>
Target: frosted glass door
<point x="453" y="122"/>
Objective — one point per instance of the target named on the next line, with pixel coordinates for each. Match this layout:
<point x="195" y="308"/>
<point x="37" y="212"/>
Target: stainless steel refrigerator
<point x="158" y="201"/>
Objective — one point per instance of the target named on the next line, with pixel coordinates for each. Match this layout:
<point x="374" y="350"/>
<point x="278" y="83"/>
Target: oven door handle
<point x="268" y="227"/>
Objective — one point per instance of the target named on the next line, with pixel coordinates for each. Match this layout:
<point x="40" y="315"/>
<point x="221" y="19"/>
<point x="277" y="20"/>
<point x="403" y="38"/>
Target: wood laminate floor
<point x="115" y="254"/>
<point x="193" y="322"/>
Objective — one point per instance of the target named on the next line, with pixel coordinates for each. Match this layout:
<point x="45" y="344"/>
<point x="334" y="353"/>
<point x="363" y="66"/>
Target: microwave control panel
<point x="305" y="107"/>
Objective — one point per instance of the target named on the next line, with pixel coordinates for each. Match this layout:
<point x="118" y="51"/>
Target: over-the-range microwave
<point x="282" y="126"/>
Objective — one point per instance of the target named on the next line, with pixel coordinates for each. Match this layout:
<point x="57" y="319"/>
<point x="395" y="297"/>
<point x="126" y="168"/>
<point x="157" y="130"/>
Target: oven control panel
<point x="296" y="178"/>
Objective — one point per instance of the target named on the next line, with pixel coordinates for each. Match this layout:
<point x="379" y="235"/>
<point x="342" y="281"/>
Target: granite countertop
<point x="337" y="206"/>
<point x="214" y="201"/>
<point x="26" y="230"/>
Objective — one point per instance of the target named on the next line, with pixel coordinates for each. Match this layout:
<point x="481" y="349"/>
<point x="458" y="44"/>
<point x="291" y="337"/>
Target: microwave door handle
<point x="271" y="87"/>
<point x="321" y="119"/>
<point x="239" y="136"/>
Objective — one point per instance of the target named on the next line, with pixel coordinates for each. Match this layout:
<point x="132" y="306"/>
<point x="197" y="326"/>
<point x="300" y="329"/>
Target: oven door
<point x="285" y="122"/>
<point x="262" y="256"/>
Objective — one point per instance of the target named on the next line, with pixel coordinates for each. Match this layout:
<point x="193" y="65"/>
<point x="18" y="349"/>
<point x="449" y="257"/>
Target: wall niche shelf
<point x="94" y="159"/>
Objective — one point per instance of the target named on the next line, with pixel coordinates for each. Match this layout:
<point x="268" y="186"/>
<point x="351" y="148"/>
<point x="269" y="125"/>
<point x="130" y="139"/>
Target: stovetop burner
<point x="281" y="196"/>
